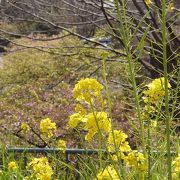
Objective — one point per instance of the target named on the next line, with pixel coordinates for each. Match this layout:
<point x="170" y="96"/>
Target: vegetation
<point x="62" y="92"/>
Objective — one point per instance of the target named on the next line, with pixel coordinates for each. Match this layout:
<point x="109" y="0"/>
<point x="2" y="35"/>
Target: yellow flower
<point x="148" y="2"/>
<point x="175" y="176"/>
<point x="96" y="122"/>
<point x="149" y="109"/>
<point x="41" y="168"/>
<point x="136" y="160"/>
<point x="47" y="127"/>
<point x="75" y="119"/>
<point x="61" y="145"/>
<point x="155" y="91"/>
<point x="170" y="7"/>
<point x="124" y="147"/>
<point x="117" y="141"/>
<point x="87" y="89"/>
<point x="25" y="127"/>
<point x="117" y="137"/>
<point x="79" y="109"/>
<point x="145" y="116"/>
<point x="154" y="123"/>
<point x="109" y="173"/>
<point x="12" y="165"/>
<point x="176" y="165"/>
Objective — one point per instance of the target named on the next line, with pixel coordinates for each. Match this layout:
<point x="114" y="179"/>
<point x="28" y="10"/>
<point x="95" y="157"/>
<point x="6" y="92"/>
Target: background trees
<point x="82" y="17"/>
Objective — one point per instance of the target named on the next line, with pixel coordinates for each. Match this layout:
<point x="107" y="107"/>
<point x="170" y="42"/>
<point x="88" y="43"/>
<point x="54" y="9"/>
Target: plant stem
<point x="164" y="38"/>
<point x="126" y="39"/>
<point x="123" y="174"/>
<point x="149" y="148"/>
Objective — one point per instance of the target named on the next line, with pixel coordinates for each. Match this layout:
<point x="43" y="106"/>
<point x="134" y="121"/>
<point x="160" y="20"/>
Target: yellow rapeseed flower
<point x="149" y="109"/>
<point x="80" y="109"/>
<point x="87" y="89"/>
<point x="25" y="127"/>
<point x="155" y="91"/>
<point x="148" y="2"/>
<point x="41" y="168"/>
<point x="175" y="176"/>
<point x="176" y="167"/>
<point x="96" y="122"/>
<point x="148" y="112"/>
<point x="108" y="173"/>
<point x="12" y="165"/>
<point x="75" y="119"/>
<point x="170" y="7"/>
<point x="154" y="123"/>
<point x="117" y="141"/>
<point x="61" y="145"/>
<point x="136" y="161"/>
<point x="47" y="127"/>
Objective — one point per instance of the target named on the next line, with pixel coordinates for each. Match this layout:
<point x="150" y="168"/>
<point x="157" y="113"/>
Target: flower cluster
<point x="117" y="142"/>
<point x="92" y="122"/>
<point x="25" y="127"/>
<point x="96" y="122"/>
<point x="61" y="145"/>
<point x="133" y="159"/>
<point x="75" y="119"/>
<point x="47" y="127"/>
<point x="136" y="161"/>
<point x="41" y="168"/>
<point x="155" y="91"/>
<point x="153" y="95"/>
<point x="148" y="113"/>
<point x="176" y="165"/>
<point x="87" y="89"/>
<point x="12" y="165"/>
<point x="108" y="173"/>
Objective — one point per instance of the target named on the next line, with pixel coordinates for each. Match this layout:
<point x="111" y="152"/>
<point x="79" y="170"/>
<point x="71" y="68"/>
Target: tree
<point x="85" y="16"/>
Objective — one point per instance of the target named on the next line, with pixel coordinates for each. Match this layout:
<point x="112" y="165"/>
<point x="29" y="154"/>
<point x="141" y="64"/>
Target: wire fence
<point x="67" y="152"/>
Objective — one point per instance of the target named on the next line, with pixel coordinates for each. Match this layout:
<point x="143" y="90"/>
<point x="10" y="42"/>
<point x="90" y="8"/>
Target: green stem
<point x="126" y="39"/>
<point x="149" y="148"/>
<point x="123" y="173"/>
<point x="100" y="136"/>
<point x="164" y="36"/>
